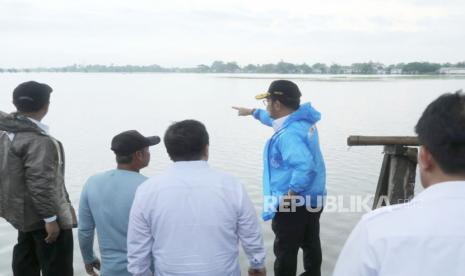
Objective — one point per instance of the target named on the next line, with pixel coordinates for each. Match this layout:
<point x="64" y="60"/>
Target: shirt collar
<point x="278" y="123"/>
<point x="190" y="164"/>
<point x="45" y="128"/>
<point x="441" y="190"/>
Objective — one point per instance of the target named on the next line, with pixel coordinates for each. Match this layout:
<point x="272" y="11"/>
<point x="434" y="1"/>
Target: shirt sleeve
<point x="50" y="219"/>
<point x="86" y="229"/>
<point x="298" y="157"/>
<point x="249" y="232"/>
<point x="140" y="240"/>
<point x="357" y="257"/>
<point x="263" y="117"/>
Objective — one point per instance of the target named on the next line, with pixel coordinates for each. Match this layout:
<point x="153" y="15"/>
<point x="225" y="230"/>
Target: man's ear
<point x="425" y="159"/>
<point x="46" y="108"/>
<point x="138" y="154"/>
<point x="206" y="152"/>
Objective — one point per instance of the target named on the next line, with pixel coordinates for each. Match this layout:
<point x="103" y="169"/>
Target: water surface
<point x="87" y="110"/>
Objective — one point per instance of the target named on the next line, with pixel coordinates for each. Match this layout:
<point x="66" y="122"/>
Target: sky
<point x="182" y="33"/>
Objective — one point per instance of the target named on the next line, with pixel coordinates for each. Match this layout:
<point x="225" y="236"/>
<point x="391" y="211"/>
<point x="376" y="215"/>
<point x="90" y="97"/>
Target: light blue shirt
<point x="105" y="203"/>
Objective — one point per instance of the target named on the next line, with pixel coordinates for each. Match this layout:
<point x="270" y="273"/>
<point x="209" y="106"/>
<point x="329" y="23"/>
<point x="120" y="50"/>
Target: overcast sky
<point x="187" y="33"/>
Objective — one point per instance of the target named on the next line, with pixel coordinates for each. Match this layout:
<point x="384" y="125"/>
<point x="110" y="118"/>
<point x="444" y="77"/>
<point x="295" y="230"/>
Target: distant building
<point x="396" y="71"/>
<point x="452" y="71"/>
<point x="346" y="70"/>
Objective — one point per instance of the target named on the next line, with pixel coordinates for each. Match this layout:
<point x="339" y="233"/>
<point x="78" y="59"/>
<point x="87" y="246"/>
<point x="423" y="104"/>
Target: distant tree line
<point x="277" y="68"/>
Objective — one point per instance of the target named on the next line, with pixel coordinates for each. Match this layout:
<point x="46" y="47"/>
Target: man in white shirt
<point x="191" y="218"/>
<point x="427" y="235"/>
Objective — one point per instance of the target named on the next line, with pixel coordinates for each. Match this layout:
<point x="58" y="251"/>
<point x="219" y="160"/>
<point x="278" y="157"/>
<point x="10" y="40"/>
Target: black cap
<point x="282" y="90"/>
<point x="31" y="96"/>
<point x="130" y="141"/>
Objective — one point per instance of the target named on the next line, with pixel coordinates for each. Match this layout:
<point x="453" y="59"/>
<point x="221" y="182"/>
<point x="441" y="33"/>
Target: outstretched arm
<point x="258" y="114"/>
<point x="243" y="111"/>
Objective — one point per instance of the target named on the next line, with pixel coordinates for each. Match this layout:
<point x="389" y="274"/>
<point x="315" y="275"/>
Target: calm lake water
<point x="87" y="110"/>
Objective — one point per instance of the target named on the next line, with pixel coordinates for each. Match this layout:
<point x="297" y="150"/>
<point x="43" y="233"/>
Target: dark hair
<point x="31" y="96"/>
<point x="291" y="103"/>
<point x="186" y="140"/>
<point x="124" y="159"/>
<point x="441" y="129"/>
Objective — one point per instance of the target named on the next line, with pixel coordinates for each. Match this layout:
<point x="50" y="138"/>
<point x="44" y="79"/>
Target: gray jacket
<point x="32" y="183"/>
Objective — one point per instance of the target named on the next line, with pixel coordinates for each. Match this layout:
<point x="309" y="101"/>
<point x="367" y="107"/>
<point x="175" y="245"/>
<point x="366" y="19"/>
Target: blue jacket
<point x="293" y="160"/>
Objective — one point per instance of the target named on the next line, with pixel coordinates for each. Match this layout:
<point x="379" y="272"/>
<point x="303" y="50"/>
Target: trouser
<point x="32" y="254"/>
<point x="294" y="230"/>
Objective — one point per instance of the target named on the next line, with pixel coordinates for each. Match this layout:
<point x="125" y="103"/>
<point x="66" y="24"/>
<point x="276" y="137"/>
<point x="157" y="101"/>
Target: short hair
<point x="186" y="140"/>
<point x="441" y="129"/>
<point x="124" y="159"/>
<point x="31" y="96"/>
<point x="291" y="103"/>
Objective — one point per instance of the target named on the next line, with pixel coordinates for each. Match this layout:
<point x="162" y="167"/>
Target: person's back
<point x="106" y="200"/>
<point x="109" y="198"/>
<point x="425" y="237"/>
<point x="195" y="211"/>
<point x="33" y="194"/>
<point x="191" y="218"/>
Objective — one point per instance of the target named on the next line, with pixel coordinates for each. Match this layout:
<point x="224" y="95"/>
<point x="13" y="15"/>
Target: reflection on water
<point x="88" y="109"/>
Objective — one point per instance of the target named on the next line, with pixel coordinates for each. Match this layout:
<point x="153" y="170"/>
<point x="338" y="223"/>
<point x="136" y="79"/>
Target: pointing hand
<point x="242" y="111"/>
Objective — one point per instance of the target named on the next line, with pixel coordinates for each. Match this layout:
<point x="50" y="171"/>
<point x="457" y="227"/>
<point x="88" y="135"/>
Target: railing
<point x="396" y="182"/>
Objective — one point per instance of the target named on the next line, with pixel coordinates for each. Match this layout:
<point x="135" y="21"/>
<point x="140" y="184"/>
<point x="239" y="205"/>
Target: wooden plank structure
<point x="397" y="177"/>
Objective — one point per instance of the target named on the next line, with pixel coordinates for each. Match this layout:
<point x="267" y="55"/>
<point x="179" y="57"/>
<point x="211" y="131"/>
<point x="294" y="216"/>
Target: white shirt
<point x="278" y="123"/>
<point x="425" y="237"/>
<point x="190" y="219"/>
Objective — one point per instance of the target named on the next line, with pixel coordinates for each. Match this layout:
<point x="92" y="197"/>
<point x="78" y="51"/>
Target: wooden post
<point x="382" y="140"/>
<point x="396" y="181"/>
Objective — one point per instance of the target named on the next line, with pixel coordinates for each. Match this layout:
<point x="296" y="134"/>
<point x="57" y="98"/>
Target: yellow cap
<point x="262" y="96"/>
<point x="268" y="94"/>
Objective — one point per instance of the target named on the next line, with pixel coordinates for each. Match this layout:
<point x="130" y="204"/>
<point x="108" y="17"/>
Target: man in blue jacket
<point x="294" y="177"/>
